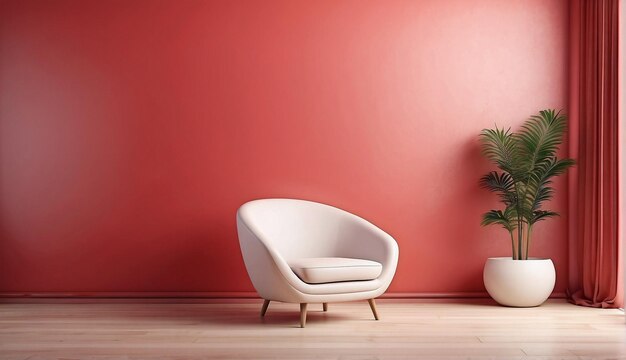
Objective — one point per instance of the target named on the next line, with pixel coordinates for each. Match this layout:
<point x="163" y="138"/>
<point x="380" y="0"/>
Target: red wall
<point x="130" y="132"/>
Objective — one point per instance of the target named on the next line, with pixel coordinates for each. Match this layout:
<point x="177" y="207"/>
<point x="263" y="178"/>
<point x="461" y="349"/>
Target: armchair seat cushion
<point x="335" y="269"/>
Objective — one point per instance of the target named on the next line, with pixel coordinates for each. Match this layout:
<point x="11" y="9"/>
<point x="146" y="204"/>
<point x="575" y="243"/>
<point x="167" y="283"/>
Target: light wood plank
<point x="445" y="329"/>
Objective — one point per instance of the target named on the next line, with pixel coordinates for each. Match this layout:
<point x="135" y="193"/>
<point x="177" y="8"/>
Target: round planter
<point x="519" y="283"/>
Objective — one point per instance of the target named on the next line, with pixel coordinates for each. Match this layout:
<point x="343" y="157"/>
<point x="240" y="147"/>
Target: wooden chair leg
<point x="373" y="307"/>
<point x="325" y="306"/>
<point x="266" y="303"/>
<point x="303" y="314"/>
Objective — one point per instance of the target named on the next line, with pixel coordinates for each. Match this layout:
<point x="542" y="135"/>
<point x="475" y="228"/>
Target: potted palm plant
<point x="527" y="163"/>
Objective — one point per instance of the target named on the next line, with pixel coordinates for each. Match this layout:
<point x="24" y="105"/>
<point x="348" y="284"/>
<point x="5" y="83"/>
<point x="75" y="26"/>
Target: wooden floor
<point x="411" y="329"/>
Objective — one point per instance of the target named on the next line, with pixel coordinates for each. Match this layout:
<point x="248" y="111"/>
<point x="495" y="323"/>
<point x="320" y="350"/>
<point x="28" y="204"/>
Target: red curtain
<point x="594" y="202"/>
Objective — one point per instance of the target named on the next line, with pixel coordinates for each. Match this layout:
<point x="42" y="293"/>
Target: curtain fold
<point x="594" y="201"/>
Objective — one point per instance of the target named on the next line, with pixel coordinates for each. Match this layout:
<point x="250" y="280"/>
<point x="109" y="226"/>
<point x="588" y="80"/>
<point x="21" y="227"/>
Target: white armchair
<point x="304" y="252"/>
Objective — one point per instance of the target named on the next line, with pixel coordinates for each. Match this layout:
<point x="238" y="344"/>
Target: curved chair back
<point x="296" y="228"/>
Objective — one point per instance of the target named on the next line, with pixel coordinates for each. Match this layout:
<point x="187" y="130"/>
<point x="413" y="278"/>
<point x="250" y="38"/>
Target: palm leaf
<point x="505" y="219"/>
<point x="543" y="214"/>
<point x="502" y="184"/>
<point x="539" y="138"/>
<point x="499" y="146"/>
<point x="539" y="189"/>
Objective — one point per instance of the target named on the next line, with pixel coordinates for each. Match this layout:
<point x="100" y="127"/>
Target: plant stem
<point x="528" y="239"/>
<point x="520" y="237"/>
<point x="524" y="242"/>
<point x="512" y="244"/>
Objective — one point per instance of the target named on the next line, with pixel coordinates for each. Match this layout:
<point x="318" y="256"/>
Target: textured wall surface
<point x="130" y="132"/>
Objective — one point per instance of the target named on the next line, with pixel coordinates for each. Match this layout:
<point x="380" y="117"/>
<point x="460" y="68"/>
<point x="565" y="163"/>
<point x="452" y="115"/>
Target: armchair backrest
<point x="296" y="228"/>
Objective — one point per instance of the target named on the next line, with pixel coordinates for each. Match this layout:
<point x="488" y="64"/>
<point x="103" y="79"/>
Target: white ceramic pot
<point x="519" y="283"/>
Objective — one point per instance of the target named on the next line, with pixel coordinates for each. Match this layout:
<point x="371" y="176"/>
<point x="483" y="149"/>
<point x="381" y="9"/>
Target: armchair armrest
<point x="361" y="239"/>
